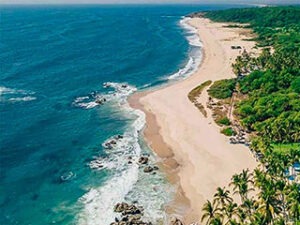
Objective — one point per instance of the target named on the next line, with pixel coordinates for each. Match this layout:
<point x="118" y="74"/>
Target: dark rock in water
<point x="155" y="168"/>
<point x="113" y="142"/>
<point x="175" y="221"/>
<point x="121" y="207"/>
<point x="129" y="162"/>
<point x="99" y="101"/>
<point x="109" y="144"/>
<point x="124" y="86"/>
<point x="134" y="218"/>
<point x="148" y="169"/>
<point x="143" y="160"/>
<point x="119" y="136"/>
<point x="131" y="210"/>
<point x="130" y="215"/>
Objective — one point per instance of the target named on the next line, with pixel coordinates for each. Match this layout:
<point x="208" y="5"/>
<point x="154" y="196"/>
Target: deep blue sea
<point x="57" y="62"/>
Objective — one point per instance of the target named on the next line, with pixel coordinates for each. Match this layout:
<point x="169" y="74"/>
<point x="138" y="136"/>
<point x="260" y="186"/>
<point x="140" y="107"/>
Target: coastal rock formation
<point x="130" y="214"/>
<point x="100" y="101"/>
<point x="143" y="160"/>
<point x="175" y="221"/>
<point x="109" y="144"/>
<point x="148" y="169"/>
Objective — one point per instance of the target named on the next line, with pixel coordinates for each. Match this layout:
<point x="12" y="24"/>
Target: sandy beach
<point x="193" y="152"/>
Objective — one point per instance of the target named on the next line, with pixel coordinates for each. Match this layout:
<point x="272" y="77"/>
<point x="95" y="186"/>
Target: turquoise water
<point x="54" y="62"/>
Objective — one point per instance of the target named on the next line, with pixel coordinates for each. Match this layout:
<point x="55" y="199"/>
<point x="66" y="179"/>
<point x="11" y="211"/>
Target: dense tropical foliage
<point x="270" y="109"/>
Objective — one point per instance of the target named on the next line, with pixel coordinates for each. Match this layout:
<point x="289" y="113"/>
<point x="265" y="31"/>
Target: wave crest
<point x="195" y="54"/>
<point x="14" y="95"/>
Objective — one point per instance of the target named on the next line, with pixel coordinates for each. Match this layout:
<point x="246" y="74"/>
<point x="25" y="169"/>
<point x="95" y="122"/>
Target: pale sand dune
<point x="177" y="130"/>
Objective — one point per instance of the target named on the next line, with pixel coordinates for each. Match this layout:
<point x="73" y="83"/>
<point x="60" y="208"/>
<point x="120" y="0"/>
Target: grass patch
<point x="222" y="89"/>
<point x="223" y="121"/>
<point x="285" y="148"/>
<point x="228" y="131"/>
<point x="201" y="109"/>
<point x="198" y="90"/>
<point x="195" y="93"/>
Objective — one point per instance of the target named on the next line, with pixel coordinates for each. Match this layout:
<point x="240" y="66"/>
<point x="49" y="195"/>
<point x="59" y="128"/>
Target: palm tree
<point x="216" y="221"/>
<point x="232" y="222"/>
<point x="241" y="184"/>
<point x="222" y="198"/>
<point x="249" y="206"/>
<point x="269" y="204"/>
<point x="293" y="201"/>
<point x="257" y="219"/>
<point x="241" y="214"/>
<point x="231" y="211"/>
<point x="209" y="212"/>
<point x="259" y="177"/>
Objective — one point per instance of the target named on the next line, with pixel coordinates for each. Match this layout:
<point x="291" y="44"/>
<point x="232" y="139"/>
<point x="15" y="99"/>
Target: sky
<point x="143" y="1"/>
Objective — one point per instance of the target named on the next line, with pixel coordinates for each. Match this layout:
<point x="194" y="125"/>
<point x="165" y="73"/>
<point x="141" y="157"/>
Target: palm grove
<point x="270" y="109"/>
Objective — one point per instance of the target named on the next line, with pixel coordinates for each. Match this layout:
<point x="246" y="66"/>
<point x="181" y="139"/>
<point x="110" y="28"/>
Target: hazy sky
<point x="143" y="1"/>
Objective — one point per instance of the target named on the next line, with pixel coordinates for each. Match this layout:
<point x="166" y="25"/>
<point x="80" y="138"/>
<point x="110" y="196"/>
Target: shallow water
<point x="54" y="61"/>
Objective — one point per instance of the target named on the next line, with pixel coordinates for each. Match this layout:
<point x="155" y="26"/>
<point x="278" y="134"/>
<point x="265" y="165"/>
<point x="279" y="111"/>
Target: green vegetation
<point x="228" y="131"/>
<point x="285" y="148"/>
<point x="270" y="107"/>
<point x="198" y="90"/>
<point x="223" y="121"/>
<point x="272" y="84"/>
<point x="222" y="89"/>
<point x="273" y="24"/>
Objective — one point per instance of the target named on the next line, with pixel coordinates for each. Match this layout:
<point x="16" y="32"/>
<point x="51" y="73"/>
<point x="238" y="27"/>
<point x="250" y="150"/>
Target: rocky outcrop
<point x="109" y="144"/>
<point x="100" y="101"/>
<point x="148" y="169"/>
<point x="130" y="214"/>
<point x="175" y="221"/>
<point x="143" y="160"/>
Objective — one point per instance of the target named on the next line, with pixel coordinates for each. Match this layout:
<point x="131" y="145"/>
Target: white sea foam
<point x="118" y="95"/>
<point x="22" y="99"/>
<point x="127" y="182"/>
<point x="15" y="95"/>
<point x="195" y="55"/>
<point x="192" y="33"/>
<point x="184" y="71"/>
<point x="99" y="202"/>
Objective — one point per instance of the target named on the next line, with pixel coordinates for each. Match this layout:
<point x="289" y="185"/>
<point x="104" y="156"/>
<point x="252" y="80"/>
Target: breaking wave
<point x="14" y="95"/>
<point x="195" y="53"/>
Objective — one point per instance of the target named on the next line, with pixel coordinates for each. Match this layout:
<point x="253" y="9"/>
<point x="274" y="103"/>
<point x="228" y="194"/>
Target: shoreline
<point x="195" y="156"/>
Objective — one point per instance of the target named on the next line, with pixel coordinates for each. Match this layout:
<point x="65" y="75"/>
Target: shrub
<point x="222" y="89"/>
<point x="198" y="90"/>
<point x="223" y="121"/>
<point x="228" y="131"/>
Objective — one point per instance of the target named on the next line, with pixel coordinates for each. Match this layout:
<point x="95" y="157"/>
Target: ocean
<point x="66" y="73"/>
